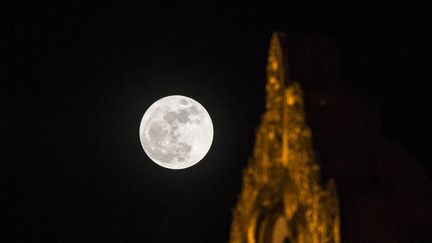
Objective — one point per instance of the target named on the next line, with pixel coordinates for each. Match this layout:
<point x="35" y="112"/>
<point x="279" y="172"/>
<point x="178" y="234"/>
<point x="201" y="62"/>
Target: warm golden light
<point x="282" y="198"/>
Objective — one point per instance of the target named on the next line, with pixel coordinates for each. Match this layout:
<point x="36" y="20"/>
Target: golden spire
<point x="275" y="74"/>
<point x="281" y="197"/>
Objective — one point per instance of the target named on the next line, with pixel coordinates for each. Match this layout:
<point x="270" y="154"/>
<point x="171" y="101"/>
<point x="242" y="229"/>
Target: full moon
<point x="176" y="132"/>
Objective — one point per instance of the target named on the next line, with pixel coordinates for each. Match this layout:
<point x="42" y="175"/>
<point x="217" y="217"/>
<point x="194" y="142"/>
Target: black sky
<point x="77" y="78"/>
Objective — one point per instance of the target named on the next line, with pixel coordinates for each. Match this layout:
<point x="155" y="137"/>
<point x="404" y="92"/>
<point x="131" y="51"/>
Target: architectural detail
<point x="282" y="199"/>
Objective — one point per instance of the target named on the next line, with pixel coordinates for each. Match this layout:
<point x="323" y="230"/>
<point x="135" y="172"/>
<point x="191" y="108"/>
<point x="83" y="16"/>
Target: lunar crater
<point x="176" y="132"/>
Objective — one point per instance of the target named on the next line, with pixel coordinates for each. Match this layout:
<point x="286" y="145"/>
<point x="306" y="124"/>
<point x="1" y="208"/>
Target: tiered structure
<point x="282" y="199"/>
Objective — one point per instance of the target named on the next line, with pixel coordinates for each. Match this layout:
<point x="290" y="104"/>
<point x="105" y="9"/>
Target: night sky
<point x="77" y="77"/>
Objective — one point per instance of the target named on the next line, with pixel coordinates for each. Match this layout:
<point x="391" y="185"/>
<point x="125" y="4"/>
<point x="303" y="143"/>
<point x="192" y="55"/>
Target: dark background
<point x="77" y="78"/>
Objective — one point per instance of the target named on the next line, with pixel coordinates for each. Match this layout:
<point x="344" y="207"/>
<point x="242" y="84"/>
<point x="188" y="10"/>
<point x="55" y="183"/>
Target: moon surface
<point x="176" y="132"/>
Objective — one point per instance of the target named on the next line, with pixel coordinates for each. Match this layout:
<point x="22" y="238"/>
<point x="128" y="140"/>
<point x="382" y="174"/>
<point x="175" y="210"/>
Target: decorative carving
<point x="282" y="199"/>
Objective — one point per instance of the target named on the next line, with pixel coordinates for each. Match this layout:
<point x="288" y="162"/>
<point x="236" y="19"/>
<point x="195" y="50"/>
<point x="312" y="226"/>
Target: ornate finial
<point x="275" y="74"/>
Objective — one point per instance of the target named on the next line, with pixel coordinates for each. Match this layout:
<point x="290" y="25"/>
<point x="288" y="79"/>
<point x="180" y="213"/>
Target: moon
<point x="176" y="132"/>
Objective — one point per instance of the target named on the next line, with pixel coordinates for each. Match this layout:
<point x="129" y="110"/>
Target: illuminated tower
<point x="282" y="199"/>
